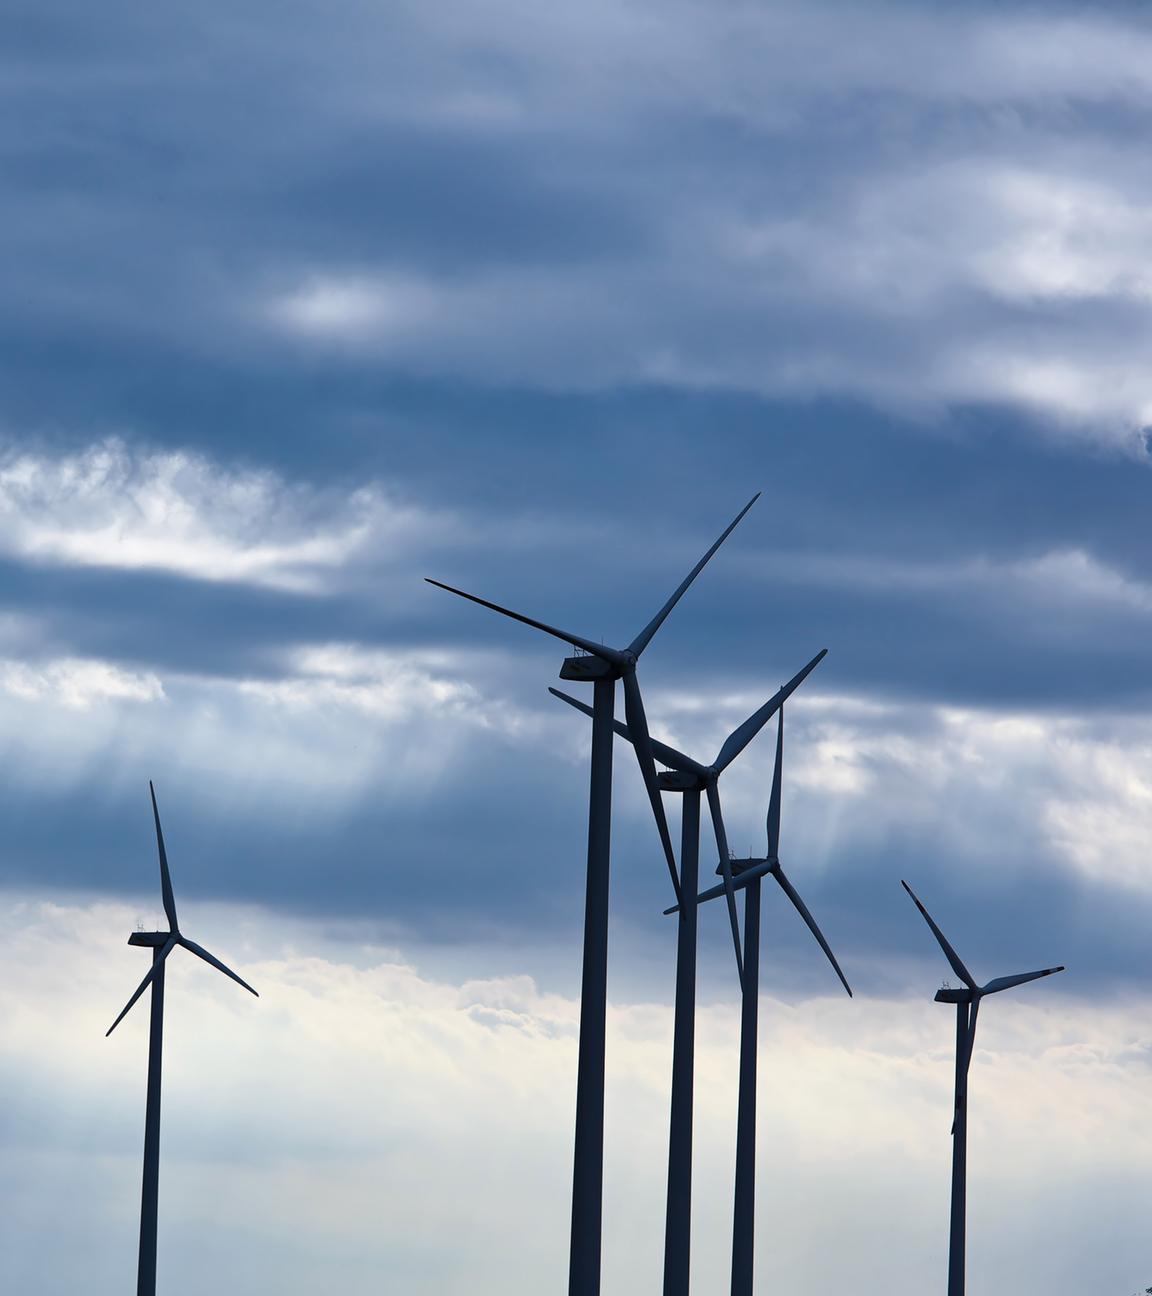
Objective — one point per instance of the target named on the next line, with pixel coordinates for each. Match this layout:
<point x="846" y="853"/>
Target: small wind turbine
<point x="603" y="666"/>
<point x="162" y="944"/>
<point x="692" y="778"/>
<point x="967" y="1001"/>
<point x="748" y="877"/>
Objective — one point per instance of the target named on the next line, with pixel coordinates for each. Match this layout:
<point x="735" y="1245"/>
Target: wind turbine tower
<point x="967" y="1000"/>
<point x="602" y="666"/>
<point x="748" y="875"/>
<point x="161" y="944"/>
<point x="692" y="779"/>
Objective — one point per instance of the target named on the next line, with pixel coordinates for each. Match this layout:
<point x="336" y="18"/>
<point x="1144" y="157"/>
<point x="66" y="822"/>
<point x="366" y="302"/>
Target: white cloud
<point x="1067" y="581"/>
<point x="865" y="774"/>
<point x="387" y="685"/>
<point x="319" y="734"/>
<point x="338" y="307"/>
<point x="336" y="723"/>
<point x="111" y="505"/>
<point x="355" y="1116"/>
<point x="746" y="58"/>
<point x="77" y="683"/>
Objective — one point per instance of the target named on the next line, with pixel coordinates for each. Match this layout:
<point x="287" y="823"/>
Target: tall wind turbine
<point x="967" y="1001"/>
<point x="748" y="875"/>
<point x="603" y="666"/>
<point x="691" y="778"/>
<point x="162" y="944"/>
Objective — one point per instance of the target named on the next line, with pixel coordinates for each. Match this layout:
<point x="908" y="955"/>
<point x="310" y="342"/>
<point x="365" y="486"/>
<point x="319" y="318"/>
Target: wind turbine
<point x="967" y="1001"/>
<point x="162" y="944"/>
<point x="748" y="876"/>
<point x="691" y="778"/>
<point x="603" y="666"/>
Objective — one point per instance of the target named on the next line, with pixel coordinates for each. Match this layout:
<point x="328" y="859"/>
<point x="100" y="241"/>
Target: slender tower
<point x="691" y="778"/>
<point x="748" y="875"/>
<point x="967" y="1000"/>
<point x="602" y="666"/>
<point x="161" y="944"/>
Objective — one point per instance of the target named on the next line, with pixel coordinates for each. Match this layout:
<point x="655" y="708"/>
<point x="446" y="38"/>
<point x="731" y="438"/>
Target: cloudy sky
<point x="304" y="302"/>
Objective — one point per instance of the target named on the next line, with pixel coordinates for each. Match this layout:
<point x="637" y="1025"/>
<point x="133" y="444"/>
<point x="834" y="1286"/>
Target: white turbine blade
<point x="642" y="746"/>
<point x="774" y="795"/>
<point x="211" y="958"/>
<point x="644" y="637"/>
<point x="165" y="876"/>
<point x="802" y="909"/>
<point x="968" y="1046"/>
<point x="726" y="870"/>
<point x="597" y="650"/>
<point x="664" y="754"/>
<point x="970" y="1042"/>
<point x="1020" y="978"/>
<point x="741" y="736"/>
<point x="738" y="880"/>
<point x="165" y="951"/>
<point x="942" y="940"/>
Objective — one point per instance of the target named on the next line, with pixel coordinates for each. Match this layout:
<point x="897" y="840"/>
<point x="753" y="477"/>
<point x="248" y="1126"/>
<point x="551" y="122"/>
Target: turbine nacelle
<point x="739" y="873"/>
<point x="678" y="781"/>
<point x="585" y="669"/>
<point x="167" y="941"/>
<point x="757" y="867"/>
<point x="683" y="774"/>
<point x="620" y="664"/>
<point x="954" y="995"/>
<point x="971" y="992"/>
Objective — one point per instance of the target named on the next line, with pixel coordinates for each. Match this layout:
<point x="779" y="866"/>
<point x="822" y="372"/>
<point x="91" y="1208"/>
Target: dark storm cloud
<point x="508" y="857"/>
<point x="655" y="275"/>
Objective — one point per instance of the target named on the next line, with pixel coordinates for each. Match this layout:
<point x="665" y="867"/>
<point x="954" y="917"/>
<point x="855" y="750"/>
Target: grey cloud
<point x="608" y="199"/>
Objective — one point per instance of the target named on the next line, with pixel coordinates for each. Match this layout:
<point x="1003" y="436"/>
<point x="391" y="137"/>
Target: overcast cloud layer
<point x="452" y="1120"/>
<point x="304" y="303"/>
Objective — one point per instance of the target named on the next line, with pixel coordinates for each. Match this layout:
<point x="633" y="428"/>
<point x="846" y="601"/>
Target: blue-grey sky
<point x="306" y="302"/>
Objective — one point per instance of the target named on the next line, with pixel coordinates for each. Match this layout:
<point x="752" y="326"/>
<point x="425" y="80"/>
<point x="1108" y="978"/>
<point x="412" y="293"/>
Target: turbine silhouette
<point x="603" y="666"/>
<point x="691" y="778"/>
<point x="749" y="874"/>
<point x="967" y="1001"/>
<point x="162" y="944"/>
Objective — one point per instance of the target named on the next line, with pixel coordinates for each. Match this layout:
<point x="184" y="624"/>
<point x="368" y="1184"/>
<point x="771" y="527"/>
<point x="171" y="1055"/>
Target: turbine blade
<point x="211" y="958"/>
<point x="165" y="951"/>
<point x="165" y="876"/>
<point x="597" y="650"/>
<point x="970" y="1041"/>
<point x="644" y="637"/>
<point x="802" y="909"/>
<point x="949" y="953"/>
<point x="642" y="745"/>
<point x="664" y="754"/>
<point x="774" y="799"/>
<point x="1007" y="982"/>
<point x="968" y="1046"/>
<point x="739" y="880"/>
<point x="726" y="869"/>
<point x="740" y="737"/>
